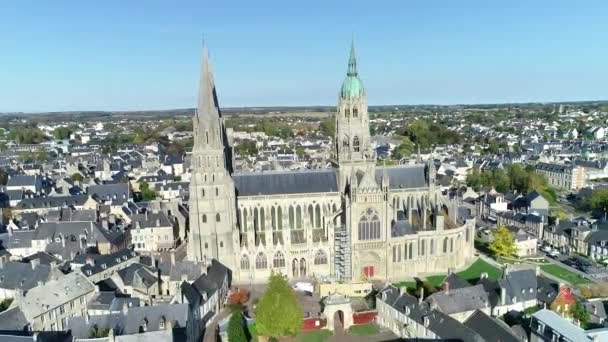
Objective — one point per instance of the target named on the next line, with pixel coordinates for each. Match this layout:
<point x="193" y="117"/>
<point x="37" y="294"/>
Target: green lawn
<point x="364" y="330"/>
<point x="471" y="274"/>
<point x="314" y="336"/>
<point x="562" y="273"/>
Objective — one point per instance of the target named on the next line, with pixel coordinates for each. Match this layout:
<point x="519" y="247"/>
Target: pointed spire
<point x="352" y="61"/>
<point x="207" y="98"/>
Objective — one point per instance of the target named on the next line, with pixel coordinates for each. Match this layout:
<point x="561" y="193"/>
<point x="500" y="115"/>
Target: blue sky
<point x="133" y="55"/>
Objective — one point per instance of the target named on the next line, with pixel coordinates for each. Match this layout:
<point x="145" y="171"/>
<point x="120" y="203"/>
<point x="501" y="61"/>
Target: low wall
<point x="364" y="317"/>
<point x="313" y="324"/>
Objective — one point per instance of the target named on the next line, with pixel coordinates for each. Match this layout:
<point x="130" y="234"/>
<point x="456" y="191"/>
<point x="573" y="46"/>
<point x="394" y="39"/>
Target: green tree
<point x="599" y="199"/>
<point x="405" y="149"/>
<point x="278" y="312"/>
<point x="236" y="327"/>
<point x="77" y="177"/>
<point x="300" y="152"/>
<point x="5" y="304"/>
<point x="61" y="133"/>
<point x="503" y="243"/>
<point x="97" y="332"/>
<point x="246" y="148"/>
<point x="581" y="314"/>
<point x="328" y="127"/>
<point x="147" y="194"/>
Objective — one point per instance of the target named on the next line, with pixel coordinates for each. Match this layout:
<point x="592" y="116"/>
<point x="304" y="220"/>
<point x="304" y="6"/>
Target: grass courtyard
<point x="364" y="330"/>
<point x="562" y="273"/>
<point x="314" y="336"/>
<point x="471" y="274"/>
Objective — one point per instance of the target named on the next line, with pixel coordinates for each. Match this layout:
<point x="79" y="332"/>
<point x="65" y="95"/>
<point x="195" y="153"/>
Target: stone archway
<point x="339" y="320"/>
<point x="333" y="305"/>
<point x="295" y="267"/>
<point x="302" y="267"/>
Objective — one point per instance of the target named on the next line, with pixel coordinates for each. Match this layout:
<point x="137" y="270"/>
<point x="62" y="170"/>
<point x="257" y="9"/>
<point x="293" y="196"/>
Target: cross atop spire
<point x="208" y="105"/>
<point x="352" y="61"/>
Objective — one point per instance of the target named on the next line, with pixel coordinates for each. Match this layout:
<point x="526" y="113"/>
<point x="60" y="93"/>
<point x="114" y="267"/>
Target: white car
<point x="547" y="249"/>
<point x="554" y="253"/>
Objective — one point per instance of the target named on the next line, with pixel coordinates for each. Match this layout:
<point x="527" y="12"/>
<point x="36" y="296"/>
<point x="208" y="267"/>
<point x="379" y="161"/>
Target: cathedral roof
<point x="283" y="183"/>
<point x="404" y="177"/>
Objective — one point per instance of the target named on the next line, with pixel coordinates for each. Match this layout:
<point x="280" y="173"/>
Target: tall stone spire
<point x="352" y="61"/>
<point x="208" y="105"/>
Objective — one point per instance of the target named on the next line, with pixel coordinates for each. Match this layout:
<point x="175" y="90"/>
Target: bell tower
<point x="212" y="191"/>
<point x="352" y="150"/>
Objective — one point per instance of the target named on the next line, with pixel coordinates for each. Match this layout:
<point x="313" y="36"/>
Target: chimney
<point x="34" y="263"/>
<point x="402" y="290"/>
<point x="125" y="308"/>
<point x="1" y="263"/>
<point x="557" y="221"/>
<point x="421" y="295"/>
<point x="446" y="287"/>
<point x="503" y="296"/>
<point x="40" y="283"/>
<point x="158" y="222"/>
<point x="172" y="258"/>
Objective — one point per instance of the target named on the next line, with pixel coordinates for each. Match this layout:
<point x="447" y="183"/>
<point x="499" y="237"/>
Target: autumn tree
<point x="278" y="312"/>
<point x="504" y="243"/>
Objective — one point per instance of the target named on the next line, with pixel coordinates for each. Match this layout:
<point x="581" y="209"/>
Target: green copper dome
<point x="352" y="85"/>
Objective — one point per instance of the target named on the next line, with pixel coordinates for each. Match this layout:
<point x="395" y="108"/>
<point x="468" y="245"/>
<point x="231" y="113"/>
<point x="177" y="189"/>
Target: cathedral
<point x="355" y="221"/>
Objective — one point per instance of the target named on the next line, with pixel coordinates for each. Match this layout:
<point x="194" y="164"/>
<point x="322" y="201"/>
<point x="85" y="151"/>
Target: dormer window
<point x="104" y="266"/>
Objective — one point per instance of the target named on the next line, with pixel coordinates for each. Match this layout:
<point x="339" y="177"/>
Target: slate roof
<point x="24" y="276"/>
<point x="403" y="177"/>
<point x="22" y="181"/>
<point x="561" y="325"/>
<point x="130" y="323"/>
<point x="40" y="299"/>
<point x="151" y="220"/>
<point x="52" y="202"/>
<point x="102" y="262"/>
<point x="459" y="300"/>
<point x="117" y="191"/>
<point x="283" y="183"/>
<point x="489" y="328"/>
<point x="138" y="275"/>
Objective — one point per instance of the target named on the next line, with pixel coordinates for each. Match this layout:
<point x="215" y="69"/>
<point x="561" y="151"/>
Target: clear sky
<point x="132" y="55"/>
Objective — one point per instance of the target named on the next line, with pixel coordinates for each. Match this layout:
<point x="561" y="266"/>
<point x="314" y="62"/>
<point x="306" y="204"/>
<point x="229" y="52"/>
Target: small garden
<point x="562" y="273"/>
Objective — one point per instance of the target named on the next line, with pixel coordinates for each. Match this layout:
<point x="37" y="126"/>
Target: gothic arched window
<point x="280" y="218"/>
<point x="445" y="245"/>
<point x="320" y="257"/>
<point x="369" y="225"/>
<point x="279" y="260"/>
<point x="355" y="112"/>
<point x="292" y="220"/>
<point x="318" y="216"/>
<point x="260" y="261"/>
<point x="273" y="218"/>
<point x="204" y="218"/>
<point x="356" y="144"/>
<point x="299" y="217"/>
<point x="346" y="112"/>
<point x="262" y="220"/>
<point x="345" y="142"/>
<point x="244" y="262"/>
<point x="217" y="217"/>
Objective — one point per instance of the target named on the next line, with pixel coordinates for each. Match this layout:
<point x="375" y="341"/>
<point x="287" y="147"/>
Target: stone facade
<point x="351" y="222"/>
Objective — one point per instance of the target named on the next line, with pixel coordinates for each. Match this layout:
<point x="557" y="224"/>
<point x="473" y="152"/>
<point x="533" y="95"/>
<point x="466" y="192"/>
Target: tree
<point x="503" y="243"/>
<point x="328" y="127"/>
<point x="97" y="332"/>
<point x="77" y="177"/>
<point x="61" y="133"/>
<point x="580" y="314"/>
<point x="278" y="312"/>
<point x="5" y="304"/>
<point x="236" y="328"/>
<point x="147" y="194"/>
